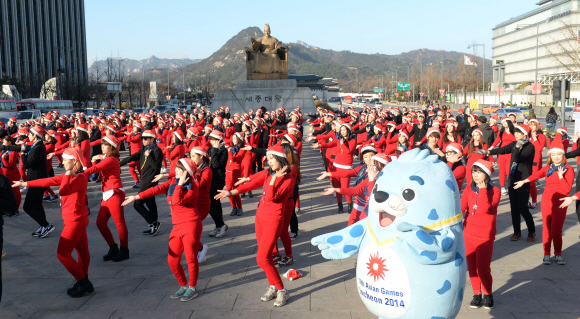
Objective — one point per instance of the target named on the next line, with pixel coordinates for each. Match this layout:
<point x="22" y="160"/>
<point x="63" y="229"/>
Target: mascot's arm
<point x="423" y="247"/>
<point x="343" y="243"/>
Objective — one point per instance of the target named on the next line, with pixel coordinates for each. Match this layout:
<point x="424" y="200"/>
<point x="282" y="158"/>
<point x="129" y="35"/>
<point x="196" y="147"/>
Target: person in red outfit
<point x="182" y="192"/>
<point x="504" y="137"/>
<point x="161" y="131"/>
<point x="453" y="155"/>
<point x="234" y="171"/>
<point x="559" y="179"/>
<point x="73" y="192"/>
<point x="277" y="188"/>
<point x="539" y="140"/>
<point x="479" y="203"/>
<point x="449" y="136"/>
<point x="50" y="143"/>
<point x="134" y="140"/>
<point x="476" y="143"/>
<point x="176" y="150"/>
<point x="109" y="171"/>
<point x="9" y="165"/>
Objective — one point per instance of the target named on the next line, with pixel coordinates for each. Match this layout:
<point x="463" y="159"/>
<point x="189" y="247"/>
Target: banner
<point x="408" y="93"/>
<point x="474" y="104"/>
<point x="536" y="88"/>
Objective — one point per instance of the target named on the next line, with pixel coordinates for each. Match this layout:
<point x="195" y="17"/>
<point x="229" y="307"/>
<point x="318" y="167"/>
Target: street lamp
<point x="483" y="73"/>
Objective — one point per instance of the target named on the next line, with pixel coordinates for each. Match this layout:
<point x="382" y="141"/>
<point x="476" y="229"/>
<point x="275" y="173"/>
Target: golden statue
<point x="266" y="59"/>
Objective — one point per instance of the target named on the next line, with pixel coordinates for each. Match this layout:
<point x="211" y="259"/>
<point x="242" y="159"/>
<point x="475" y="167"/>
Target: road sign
<point x="474" y="104"/>
<point x="500" y="91"/>
<point x="168" y="97"/>
<point x="397" y="94"/>
<point x="377" y="90"/>
<point x="442" y="91"/>
<point x="421" y="93"/>
<point x="536" y="88"/>
<point x="404" y="86"/>
<point x="408" y="93"/>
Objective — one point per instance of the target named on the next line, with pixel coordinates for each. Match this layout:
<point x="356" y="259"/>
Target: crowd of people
<point x="199" y="158"/>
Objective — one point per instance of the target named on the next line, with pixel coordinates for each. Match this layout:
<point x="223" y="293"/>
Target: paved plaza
<point x="230" y="282"/>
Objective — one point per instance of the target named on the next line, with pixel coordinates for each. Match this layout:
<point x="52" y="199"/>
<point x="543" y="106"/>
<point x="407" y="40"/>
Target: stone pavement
<point x="230" y="282"/>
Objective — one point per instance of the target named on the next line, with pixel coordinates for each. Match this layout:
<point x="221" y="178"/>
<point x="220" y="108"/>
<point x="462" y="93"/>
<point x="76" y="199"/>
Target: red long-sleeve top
<point x="503" y="139"/>
<point x="539" y="144"/>
<point x="183" y="203"/>
<point x="234" y="163"/>
<point x="480" y="211"/>
<point x="109" y="173"/>
<point x="459" y="171"/>
<point x="564" y="140"/>
<point x="275" y="197"/>
<point x="10" y="165"/>
<point x="344" y="151"/>
<point x="73" y="193"/>
<point x="176" y="154"/>
<point x="555" y="184"/>
<point x="204" y="177"/>
<point x="50" y="147"/>
<point x="134" y="140"/>
<point x="161" y="137"/>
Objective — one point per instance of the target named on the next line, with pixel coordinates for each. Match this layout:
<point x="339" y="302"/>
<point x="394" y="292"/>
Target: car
<point x="490" y="109"/>
<point x="161" y="108"/>
<point x="138" y="110"/>
<point x="334" y="99"/>
<point x="504" y="112"/>
<point x="524" y="110"/>
<point x="24" y="116"/>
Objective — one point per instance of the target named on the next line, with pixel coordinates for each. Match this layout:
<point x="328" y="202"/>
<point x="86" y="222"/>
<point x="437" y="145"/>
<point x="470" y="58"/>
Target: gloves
<point x="482" y="152"/>
<point x="521" y="142"/>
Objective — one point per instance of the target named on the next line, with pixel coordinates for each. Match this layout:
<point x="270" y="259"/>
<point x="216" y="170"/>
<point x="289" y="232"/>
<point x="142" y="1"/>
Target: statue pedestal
<point x="271" y="94"/>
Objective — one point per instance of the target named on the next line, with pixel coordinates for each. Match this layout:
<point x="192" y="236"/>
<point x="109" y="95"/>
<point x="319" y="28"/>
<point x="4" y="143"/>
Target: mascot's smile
<point x="388" y="206"/>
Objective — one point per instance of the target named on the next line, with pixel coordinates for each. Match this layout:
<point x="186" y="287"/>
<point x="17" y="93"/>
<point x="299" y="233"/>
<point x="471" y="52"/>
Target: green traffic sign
<point x="377" y="90"/>
<point x="404" y="86"/>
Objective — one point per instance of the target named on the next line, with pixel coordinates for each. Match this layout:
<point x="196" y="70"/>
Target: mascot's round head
<point x="417" y="189"/>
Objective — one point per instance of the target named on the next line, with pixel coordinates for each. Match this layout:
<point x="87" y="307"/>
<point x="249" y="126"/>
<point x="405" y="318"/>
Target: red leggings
<point x="231" y="179"/>
<point x="335" y="181"/>
<point x="553" y="218"/>
<point x="48" y="191"/>
<point x="355" y="216"/>
<point x="184" y="237"/>
<point x="112" y="208"/>
<point x="344" y="183"/>
<point x="479" y="253"/>
<point x="74" y="236"/>
<point x="248" y="164"/>
<point x="132" y="166"/>
<point x="533" y="188"/>
<point x="298" y="202"/>
<point x="267" y="234"/>
<point x="22" y="173"/>
<point x="58" y="158"/>
<point x="165" y="154"/>
<point x="284" y="236"/>
<point x="503" y="161"/>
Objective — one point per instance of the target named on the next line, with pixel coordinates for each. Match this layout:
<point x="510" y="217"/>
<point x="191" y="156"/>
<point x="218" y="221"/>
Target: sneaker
<point x="45" y="198"/>
<point x="560" y="260"/>
<point x="234" y="211"/>
<point x="214" y="232"/>
<point x="547" y="260"/>
<point x="24" y="189"/>
<point x="178" y="294"/>
<point x="281" y="298"/>
<point x="189" y="294"/>
<point x="293" y="236"/>
<point x="488" y="301"/>
<point x="504" y="191"/>
<point x="276" y="258"/>
<point x="532" y="205"/>
<point x="286" y="261"/>
<point x="222" y="231"/>
<point x="240" y="212"/>
<point x="46" y="231"/>
<point x="297" y="211"/>
<point x="201" y="255"/>
<point x="137" y="185"/>
<point x="155" y="228"/>
<point x="148" y="230"/>
<point x="16" y="213"/>
<point x="53" y="198"/>
<point x="475" y="302"/>
<point x="37" y="232"/>
<point x="270" y="294"/>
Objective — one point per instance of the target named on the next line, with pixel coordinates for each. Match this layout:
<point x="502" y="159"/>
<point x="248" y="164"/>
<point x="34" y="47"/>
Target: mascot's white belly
<point x="382" y="281"/>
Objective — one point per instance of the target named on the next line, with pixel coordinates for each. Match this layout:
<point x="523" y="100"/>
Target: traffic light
<point x="567" y="88"/>
<point x="556" y="90"/>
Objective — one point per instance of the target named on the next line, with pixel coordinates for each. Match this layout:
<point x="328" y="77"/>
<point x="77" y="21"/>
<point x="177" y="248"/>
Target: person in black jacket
<point x="521" y="162"/>
<point x="95" y="135"/>
<point x="7" y="205"/>
<point x="150" y="158"/>
<point x="218" y="158"/>
<point x="33" y="158"/>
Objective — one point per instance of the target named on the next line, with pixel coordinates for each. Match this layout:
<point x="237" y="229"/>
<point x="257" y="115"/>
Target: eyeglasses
<point x="450" y="153"/>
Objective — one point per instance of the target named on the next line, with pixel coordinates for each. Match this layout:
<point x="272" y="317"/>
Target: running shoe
<point x="234" y="211"/>
<point x="37" y="232"/>
<point x="155" y="228"/>
<point x="214" y="232"/>
<point x="46" y="231"/>
<point x="504" y="191"/>
<point x="53" y="198"/>
<point x="546" y="260"/>
<point x="281" y="298"/>
<point x="179" y="293"/>
<point x="189" y="294"/>
<point x="270" y="294"/>
<point x="488" y="301"/>
<point x="293" y="236"/>
<point x="276" y="258"/>
<point x="137" y="185"/>
<point x="240" y="212"/>
<point x="286" y="261"/>
<point x="45" y="198"/>
<point x="297" y="211"/>
<point x="201" y="255"/>
<point x="222" y="231"/>
<point x="532" y="205"/>
<point x="148" y="230"/>
<point x="560" y="260"/>
<point x="475" y="302"/>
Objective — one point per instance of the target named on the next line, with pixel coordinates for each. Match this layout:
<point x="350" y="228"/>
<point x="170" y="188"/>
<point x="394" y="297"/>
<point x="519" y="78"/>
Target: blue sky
<point x="138" y="29"/>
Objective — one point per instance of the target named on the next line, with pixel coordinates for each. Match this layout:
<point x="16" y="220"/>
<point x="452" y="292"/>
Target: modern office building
<point x="536" y="46"/>
<point x="41" y="39"/>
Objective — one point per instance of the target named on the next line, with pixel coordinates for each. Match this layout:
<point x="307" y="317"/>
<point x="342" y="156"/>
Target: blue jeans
<point x="551" y="126"/>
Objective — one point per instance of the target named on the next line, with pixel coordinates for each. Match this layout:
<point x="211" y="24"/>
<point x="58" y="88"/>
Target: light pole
<point x="483" y="73"/>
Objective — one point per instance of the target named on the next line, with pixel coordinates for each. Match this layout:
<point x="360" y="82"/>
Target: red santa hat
<point x="189" y="165"/>
<point x="382" y="158"/>
<point x="291" y="138"/>
<point x="209" y="127"/>
<point x="74" y="153"/>
<point x="562" y="129"/>
<point x="199" y="150"/>
<point x="430" y="131"/>
<point x="148" y="133"/>
<point x="138" y="125"/>
<point x="523" y="128"/>
<point x="112" y="139"/>
<point x="455" y="148"/>
<point x="179" y="135"/>
<point x="276" y="150"/>
<point x="368" y="148"/>
<point x="557" y="146"/>
<point x="486" y="166"/>
<point x="193" y="130"/>
<point x="82" y="127"/>
<point x="477" y="130"/>
<point x="216" y="134"/>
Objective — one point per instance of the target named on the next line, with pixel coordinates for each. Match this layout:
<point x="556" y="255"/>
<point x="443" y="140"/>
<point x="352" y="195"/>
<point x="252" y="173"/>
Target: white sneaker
<point x="560" y="260"/>
<point x="214" y="232"/>
<point x="270" y="294"/>
<point x="281" y="298"/>
<point x="504" y="191"/>
<point x="201" y="255"/>
<point x="222" y="231"/>
<point x="547" y="260"/>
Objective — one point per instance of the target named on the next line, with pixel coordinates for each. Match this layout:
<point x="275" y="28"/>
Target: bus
<point x="64" y="107"/>
<point x="348" y="99"/>
<point x="7" y="108"/>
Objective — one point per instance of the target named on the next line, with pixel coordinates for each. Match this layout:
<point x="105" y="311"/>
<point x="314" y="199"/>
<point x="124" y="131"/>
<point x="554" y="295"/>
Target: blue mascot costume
<point x="411" y="253"/>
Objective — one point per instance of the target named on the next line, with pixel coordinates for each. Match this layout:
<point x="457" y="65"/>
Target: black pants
<point x="1" y="247"/>
<point x="294" y="222"/>
<point x="578" y="190"/>
<point x="258" y="163"/>
<point x="149" y="213"/>
<point x="519" y="206"/>
<point x="33" y="205"/>
<point x="215" y="210"/>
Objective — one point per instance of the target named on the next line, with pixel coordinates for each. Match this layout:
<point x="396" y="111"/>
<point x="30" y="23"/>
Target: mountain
<point x="131" y="66"/>
<point x="353" y="70"/>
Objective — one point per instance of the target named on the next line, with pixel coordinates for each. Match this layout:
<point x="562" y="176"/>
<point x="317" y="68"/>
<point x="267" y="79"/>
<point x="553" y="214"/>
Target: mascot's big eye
<point x="408" y="194"/>
<point x="375" y="188"/>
